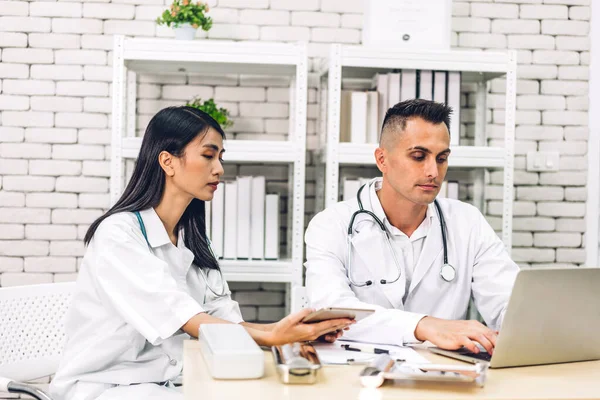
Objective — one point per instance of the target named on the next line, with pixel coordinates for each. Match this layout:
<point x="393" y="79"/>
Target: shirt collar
<point x="374" y="186"/>
<point x="155" y="230"/>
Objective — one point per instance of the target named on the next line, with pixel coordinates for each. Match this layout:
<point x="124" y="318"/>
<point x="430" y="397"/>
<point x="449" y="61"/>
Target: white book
<point x="425" y="85"/>
<point x="408" y="85"/>
<point x="257" y="218"/>
<point x="452" y="190"/>
<point x="454" y="102"/>
<point x="207" y="221"/>
<point x="358" y="118"/>
<point x="217" y="220"/>
<point x="373" y="117"/>
<point x="272" y="226"/>
<point x="345" y="115"/>
<point x="382" y="89"/>
<point x="244" y="185"/>
<point x="439" y="86"/>
<point x="393" y="89"/>
<point x="230" y="244"/>
<point x="351" y="187"/>
<point x="443" y="190"/>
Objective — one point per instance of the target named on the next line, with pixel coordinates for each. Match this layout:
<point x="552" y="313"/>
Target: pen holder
<point x="296" y="363"/>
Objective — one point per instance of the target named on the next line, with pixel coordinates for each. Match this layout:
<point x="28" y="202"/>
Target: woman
<point x="149" y="280"/>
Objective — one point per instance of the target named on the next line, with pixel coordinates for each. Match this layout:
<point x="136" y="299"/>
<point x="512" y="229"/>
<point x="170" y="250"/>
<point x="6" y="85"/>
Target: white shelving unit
<point x="357" y="62"/>
<point x="172" y="57"/>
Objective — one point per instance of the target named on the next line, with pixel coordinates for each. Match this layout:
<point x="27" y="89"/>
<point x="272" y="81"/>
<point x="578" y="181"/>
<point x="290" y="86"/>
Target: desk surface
<point x="558" y="381"/>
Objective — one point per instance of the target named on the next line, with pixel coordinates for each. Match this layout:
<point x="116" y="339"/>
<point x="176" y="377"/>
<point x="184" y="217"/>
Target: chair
<point x="299" y="298"/>
<point x="32" y="334"/>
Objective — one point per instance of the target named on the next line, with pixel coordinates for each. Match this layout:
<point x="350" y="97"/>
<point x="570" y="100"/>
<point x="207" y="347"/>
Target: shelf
<point x="169" y="56"/>
<point x="461" y="156"/>
<point x="364" y="62"/>
<point x="257" y="270"/>
<point x="238" y="151"/>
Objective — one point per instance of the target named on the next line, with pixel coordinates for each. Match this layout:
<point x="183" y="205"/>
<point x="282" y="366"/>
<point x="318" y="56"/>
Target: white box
<point x="358" y="118"/>
<point x="272" y="226"/>
<point x="257" y="218"/>
<point x="230" y="352"/>
<point x="244" y="184"/>
<point x="230" y="244"/>
<point x="217" y="220"/>
<point x="407" y="24"/>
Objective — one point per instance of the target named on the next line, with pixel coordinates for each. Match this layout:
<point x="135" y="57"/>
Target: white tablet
<point x="337" y="312"/>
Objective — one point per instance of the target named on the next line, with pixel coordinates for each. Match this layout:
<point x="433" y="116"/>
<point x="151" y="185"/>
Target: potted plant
<point x="185" y="17"/>
<point x="220" y="114"/>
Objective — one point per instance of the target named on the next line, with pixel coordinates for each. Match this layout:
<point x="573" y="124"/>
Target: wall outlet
<point x="543" y="161"/>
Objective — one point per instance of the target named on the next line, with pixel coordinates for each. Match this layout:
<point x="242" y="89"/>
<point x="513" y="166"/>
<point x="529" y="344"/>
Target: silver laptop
<point x="553" y="316"/>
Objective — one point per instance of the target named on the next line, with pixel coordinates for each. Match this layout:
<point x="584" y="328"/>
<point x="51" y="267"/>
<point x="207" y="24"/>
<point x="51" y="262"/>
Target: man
<point x="417" y="296"/>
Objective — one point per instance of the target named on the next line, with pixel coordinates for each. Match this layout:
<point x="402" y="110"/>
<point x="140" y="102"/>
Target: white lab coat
<point x="484" y="270"/>
<point x="123" y="325"/>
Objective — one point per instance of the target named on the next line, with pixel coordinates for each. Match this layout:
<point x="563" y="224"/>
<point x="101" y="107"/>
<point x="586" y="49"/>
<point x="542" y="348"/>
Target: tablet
<point x="336" y="312"/>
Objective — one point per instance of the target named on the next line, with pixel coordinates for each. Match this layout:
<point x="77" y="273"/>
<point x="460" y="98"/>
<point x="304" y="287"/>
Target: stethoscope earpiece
<point x="447" y="271"/>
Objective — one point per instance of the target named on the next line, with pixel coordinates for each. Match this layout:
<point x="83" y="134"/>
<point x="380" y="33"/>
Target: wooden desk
<point x="558" y="381"/>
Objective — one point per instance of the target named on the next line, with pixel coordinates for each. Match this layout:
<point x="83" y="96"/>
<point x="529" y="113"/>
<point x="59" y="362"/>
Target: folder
<point x="244" y="185"/>
<point x="443" y="193"/>
<point x="408" y="85"/>
<point x="358" y="118"/>
<point x="454" y="102"/>
<point x="207" y="221"/>
<point x="351" y="187"/>
<point x="217" y="220"/>
<point x="373" y="117"/>
<point x="381" y="83"/>
<point x="345" y="111"/>
<point x="425" y="85"/>
<point x="393" y="89"/>
<point x="452" y="190"/>
<point x="230" y="244"/>
<point x="272" y="226"/>
<point x="257" y="218"/>
<point x="439" y="87"/>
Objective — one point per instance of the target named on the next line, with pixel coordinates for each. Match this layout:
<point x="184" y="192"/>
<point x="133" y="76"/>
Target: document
<point x="334" y="354"/>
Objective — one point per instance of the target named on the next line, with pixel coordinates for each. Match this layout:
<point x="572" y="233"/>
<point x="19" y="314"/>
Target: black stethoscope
<point x="447" y="271"/>
<point x="222" y="292"/>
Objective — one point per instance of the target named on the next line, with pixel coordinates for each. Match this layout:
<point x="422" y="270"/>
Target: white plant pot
<point x="185" y="32"/>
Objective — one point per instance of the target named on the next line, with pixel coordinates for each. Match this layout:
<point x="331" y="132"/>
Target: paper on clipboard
<point x="334" y="354"/>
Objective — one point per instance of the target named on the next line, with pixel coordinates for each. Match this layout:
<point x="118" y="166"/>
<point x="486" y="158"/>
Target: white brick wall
<point x="55" y="78"/>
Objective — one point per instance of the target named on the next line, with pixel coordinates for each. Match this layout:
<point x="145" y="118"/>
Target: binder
<point x="351" y="187"/>
<point x="425" y="85"/>
<point x="358" y="118"/>
<point x="373" y="117"/>
<point x="257" y="218"/>
<point x="443" y="190"/>
<point x="382" y="90"/>
<point x="345" y="111"/>
<point x="244" y="184"/>
<point x="454" y="102"/>
<point x="230" y="241"/>
<point x="408" y="85"/>
<point x="218" y="223"/>
<point x="439" y="87"/>
<point x="207" y="226"/>
<point x="452" y="190"/>
<point x="393" y="89"/>
<point x="271" y="226"/>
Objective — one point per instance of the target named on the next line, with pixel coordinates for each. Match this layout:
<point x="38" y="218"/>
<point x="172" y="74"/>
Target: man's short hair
<point x="397" y="116"/>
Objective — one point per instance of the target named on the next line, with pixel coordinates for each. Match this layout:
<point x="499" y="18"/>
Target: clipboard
<point x="386" y="368"/>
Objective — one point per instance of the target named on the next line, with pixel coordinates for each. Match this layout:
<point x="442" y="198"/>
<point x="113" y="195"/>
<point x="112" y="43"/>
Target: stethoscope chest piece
<point x="447" y="272"/>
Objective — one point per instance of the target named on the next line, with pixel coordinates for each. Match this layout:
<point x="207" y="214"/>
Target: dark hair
<point x="428" y="110"/>
<point x="171" y="129"/>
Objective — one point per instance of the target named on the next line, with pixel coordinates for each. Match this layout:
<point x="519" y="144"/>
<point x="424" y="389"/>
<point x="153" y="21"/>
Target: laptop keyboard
<point x="484" y="355"/>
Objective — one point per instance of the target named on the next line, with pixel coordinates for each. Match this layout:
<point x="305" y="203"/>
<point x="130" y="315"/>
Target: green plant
<point x="220" y="114"/>
<point x="184" y="11"/>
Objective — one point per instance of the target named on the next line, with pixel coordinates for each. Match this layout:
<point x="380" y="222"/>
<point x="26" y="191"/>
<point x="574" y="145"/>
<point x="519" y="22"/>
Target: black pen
<point x="365" y="349"/>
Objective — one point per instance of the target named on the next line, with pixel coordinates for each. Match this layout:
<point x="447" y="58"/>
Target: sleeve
<point x="137" y="284"/>
<point x="223" y="307"/>
<point x="494" y="275"/>
<point x="327" y="285"/>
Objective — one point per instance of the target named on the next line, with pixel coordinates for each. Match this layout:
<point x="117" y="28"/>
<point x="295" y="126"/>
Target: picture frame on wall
<point x="407" y="24"/>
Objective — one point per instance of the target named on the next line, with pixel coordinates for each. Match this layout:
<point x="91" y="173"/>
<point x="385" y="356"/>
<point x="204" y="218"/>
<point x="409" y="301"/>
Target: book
<point x="244" y="185"/>
<point x="257" y="218"/>
<point x="230" y="241"/>
<point x="217" y="220"/>
<point x="271" y="226"/>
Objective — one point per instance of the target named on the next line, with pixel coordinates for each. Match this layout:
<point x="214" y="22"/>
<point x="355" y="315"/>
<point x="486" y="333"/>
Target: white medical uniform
<point x="123" y="325"/>
<point x="484" y="269"/>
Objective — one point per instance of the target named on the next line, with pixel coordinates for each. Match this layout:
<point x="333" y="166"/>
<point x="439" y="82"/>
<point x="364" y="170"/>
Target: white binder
<point x="272" y="226"/>
<point x="393" y="89"/>
<point x="453" y="190"/>
<point x="408" y="86"/>
<point x="358" y="118"/>
<point x="425" y="85"/>
<point x="217" y="220"/>
<point x="454" y="102"/>
<point x="381" y="83"/>
<point x="351" y="187"/>
<point x="439" y="86"/>
<point x="373" y="117"/>
<point x="230" y="244"/>
<point x="345" y="111"/>
<point x="207" y="221"/>
<point x="244" y="184"/>
<point x="257" y="218"/>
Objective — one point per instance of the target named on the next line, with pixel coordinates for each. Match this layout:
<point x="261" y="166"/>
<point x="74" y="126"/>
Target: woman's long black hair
<point x="171" y="129"/>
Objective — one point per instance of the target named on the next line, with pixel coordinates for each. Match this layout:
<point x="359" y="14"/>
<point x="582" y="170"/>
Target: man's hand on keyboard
<point x="452" y="335"/>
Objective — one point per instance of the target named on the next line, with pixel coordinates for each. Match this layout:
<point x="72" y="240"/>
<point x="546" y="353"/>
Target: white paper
<point x="333" y="353"/>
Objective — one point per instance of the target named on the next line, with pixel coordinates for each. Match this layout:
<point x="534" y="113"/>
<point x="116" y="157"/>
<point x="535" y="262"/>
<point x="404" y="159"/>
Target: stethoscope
<point x="447" y="271"/>
<point x="223" y="291"/>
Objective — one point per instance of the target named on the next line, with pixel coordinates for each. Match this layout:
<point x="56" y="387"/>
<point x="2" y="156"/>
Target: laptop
<point x="553" y="316"/>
